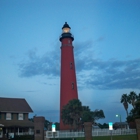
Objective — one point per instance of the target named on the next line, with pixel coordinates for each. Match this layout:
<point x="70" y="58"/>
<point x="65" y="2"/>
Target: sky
<point x="106" y="50"/>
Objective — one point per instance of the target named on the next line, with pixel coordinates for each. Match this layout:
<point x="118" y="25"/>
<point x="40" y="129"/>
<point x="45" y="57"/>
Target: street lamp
<point x="120" y="120"/>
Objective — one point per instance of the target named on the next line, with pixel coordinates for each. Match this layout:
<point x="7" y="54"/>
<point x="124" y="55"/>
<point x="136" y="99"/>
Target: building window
<point x="8" y="116"/>
<point x="71" y="66"/>
<point x="20" y="116"/>
<point x="69" y="41"/>
<point x="72" y="85"/>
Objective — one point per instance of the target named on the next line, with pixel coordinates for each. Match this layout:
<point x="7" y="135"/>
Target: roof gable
<point x="14" y="105"/>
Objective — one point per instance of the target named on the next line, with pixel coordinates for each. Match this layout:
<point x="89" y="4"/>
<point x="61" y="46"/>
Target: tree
<point x="87" y="116"/>
<point x="132" y="98"/>
<point x="124" y="100"/>
<point x="136" y="110"/>
<point x="75" y="114"/>
<point x="134" y="113"/>
<point x="130" y="117"/>
<point x="102" y="126"/>
<point x="85" y="108"/>
<point x="72" y="112"/>
<point x="47" y="124"/>
<point x="138" y="97"/>
<point x="98" y="114"/>
<point x="57" y="125"/>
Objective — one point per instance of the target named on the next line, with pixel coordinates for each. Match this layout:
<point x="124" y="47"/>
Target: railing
<point x="25" y="133"/>
<point x="98" y="132"/>
<point x="106" y="132"/>
<point x="66" y="35"/>
<point x="20" y="134"/>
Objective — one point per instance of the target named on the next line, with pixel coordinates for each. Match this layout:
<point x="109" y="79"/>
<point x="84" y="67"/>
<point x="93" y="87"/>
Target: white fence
<point x="98" y="132"/>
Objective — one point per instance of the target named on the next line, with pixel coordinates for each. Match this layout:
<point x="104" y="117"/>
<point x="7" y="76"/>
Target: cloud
<point x="113" y="74"/>
<point x="47" y="64"/>
<point x="91" y="72"/>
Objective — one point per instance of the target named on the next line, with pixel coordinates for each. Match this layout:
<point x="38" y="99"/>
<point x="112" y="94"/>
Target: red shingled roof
<point x="14" y="105"/>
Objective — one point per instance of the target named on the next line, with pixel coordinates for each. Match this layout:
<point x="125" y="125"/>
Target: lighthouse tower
<point x="68" y="83"/>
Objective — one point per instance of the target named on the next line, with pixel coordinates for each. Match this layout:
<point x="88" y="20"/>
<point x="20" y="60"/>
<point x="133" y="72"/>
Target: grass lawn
<point x="125" y="137"/>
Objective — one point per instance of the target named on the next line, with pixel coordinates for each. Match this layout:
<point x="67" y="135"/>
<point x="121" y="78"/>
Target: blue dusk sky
<point x="106" y="48"/>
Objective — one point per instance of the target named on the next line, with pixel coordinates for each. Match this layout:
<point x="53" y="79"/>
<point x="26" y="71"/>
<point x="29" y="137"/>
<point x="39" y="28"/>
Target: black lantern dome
<point x="66" y="32"/>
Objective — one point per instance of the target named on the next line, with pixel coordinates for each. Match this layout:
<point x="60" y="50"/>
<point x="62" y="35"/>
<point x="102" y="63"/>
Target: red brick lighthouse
<point x="68" y="83"/>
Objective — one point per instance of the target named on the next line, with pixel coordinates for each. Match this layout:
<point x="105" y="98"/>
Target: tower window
<point x="71" y="66"/>
<point x="72" y="85"/>
<point x="68" y="41"/>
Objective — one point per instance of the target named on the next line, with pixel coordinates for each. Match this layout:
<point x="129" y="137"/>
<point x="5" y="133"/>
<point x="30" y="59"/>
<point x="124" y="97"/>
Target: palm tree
<point x="138" y="97"/>
<point x="124" y="100"/>
<point x="132" y="98"/>
<point x="137" y="109"/>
